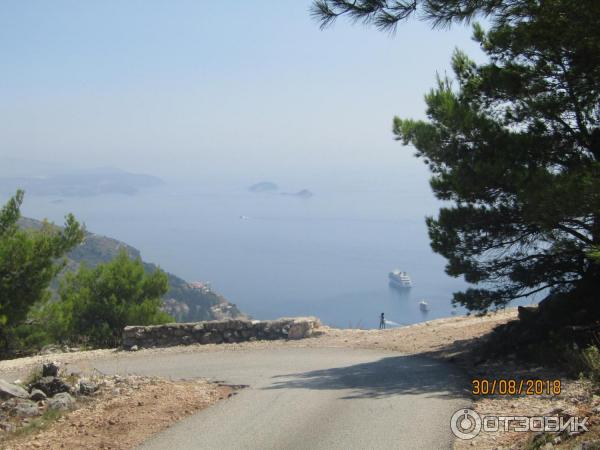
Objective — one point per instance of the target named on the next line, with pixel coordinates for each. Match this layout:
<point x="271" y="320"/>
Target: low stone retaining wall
<point x="217" y="331"/>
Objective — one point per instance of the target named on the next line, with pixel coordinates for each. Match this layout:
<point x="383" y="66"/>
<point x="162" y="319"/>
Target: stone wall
<point x="217" y="332"/>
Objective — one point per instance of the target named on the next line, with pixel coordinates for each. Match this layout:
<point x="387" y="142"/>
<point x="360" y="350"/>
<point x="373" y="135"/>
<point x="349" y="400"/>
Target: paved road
<point x="301" y="398"/>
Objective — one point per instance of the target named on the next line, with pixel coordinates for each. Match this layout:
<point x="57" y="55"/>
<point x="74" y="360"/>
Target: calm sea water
<point x="327" y="256"/>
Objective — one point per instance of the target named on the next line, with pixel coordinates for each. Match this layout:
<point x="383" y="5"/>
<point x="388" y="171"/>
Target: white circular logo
<point x="465" y="424"/>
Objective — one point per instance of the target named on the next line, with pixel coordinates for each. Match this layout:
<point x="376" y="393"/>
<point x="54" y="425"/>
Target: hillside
<point x="81" y="183"/>
<point x="185" y="302"/>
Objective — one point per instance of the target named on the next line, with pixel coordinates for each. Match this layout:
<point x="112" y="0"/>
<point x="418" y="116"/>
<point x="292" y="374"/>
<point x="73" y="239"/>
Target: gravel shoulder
<point x="125" y="412"/>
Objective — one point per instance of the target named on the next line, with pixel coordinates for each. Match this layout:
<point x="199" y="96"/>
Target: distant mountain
<point x="263" y="186"/>
<point x="187" y="302"/>
<point x="81" y="183"/>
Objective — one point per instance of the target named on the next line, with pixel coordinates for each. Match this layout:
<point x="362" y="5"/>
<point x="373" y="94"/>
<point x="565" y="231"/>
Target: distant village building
<point x="203" y="286"/>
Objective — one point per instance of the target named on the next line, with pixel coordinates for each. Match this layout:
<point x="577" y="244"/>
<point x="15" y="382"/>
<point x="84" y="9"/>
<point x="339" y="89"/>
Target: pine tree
<point x="29" y="260"/>
<point x="513" y="145"/>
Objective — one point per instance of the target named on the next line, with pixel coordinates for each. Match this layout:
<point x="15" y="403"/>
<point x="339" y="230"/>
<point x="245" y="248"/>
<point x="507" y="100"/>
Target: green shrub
<point x="590" y="359"/>
<point x="96" y="304"/>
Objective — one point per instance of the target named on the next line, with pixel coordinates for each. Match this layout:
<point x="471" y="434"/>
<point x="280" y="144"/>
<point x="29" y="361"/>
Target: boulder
<point x="50" y="370"/>
<point x="61" y="401"/>
<point x="25" y="408"/>
<point x="87" y="388"/>
<point x="302" y="327"/>
<point x="7" y="427"/>
<point x="37" y="395"/>
<point x="50" y="349"/>
<point x="51" y="386"/>
<point x="9" y="390"/>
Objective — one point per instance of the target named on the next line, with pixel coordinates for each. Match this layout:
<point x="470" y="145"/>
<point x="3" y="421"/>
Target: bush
<point x="590" y="361"/>
<point x="96" y="304"/>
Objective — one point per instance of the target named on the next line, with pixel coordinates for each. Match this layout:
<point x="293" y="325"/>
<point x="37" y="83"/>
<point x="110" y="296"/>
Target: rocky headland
<point x="186" y="302"/>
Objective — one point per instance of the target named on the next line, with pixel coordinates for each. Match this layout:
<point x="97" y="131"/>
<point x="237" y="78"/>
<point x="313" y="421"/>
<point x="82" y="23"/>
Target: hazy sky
<point x="177" y="86"/>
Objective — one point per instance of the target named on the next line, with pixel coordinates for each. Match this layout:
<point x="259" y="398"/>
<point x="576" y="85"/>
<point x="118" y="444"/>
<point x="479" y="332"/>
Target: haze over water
<point x="213" y="98"/>
<point x="327" y="256"/>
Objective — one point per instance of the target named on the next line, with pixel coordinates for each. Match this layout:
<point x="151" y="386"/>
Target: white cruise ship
<point x="399" y="279"/>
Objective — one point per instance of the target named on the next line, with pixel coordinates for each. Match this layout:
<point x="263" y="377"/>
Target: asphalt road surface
<point x="310" y="398"/>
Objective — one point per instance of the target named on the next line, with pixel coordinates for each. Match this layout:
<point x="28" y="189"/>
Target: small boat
<point x="399" y="279"/>
<point x="244" y="217"/>
<point x="423" y="306"/>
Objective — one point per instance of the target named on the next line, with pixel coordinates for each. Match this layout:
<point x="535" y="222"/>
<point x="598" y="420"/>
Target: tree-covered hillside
<point x="183" y="301"/>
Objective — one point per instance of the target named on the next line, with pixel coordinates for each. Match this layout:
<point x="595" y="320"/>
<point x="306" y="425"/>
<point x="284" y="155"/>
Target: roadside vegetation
<point x="92" y="305"/>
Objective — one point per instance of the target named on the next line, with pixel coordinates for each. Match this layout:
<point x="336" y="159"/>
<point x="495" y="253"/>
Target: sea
<point x="276" y="255"/>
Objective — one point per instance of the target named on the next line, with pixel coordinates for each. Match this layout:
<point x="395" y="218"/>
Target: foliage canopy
<point x="96" y="304"/>
<point x="29" y="260"/>
<point x="513" y="144"/>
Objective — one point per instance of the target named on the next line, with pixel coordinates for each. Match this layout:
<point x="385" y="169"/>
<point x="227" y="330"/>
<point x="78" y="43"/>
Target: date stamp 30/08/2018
<point x="508" y="386"/>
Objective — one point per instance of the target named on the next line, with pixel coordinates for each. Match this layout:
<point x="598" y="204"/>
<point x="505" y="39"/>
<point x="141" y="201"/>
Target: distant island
<point x="263" y="186"/>
<point x="304" y="193"/>
<point x="268" y="186"/>
<point x="83" y="183"/>
<point x="186" y="302"/>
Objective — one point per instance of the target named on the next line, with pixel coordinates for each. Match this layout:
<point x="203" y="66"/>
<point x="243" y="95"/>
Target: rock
<point x="298" y="330"/>
<point x="7" y="427"/>
<point x="51" y="386"/>
<point x="301" y="328"/>
<point x="50" y="349"/>
<point x="9" y="390"/>
<point x="134" y="348"/>
<point x="87" y="388"/>
<point x="61" y="401"/>
<point x="25" y="408"/>
<point x="50" y="370"/>
<point x="37" y="395"/>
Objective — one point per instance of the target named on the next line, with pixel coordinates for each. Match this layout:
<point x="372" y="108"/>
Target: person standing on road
<point x="382" y="322"/>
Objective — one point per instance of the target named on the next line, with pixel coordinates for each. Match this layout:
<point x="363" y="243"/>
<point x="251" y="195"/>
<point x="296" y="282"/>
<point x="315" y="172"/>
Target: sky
<point x="192" y="87"/>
